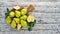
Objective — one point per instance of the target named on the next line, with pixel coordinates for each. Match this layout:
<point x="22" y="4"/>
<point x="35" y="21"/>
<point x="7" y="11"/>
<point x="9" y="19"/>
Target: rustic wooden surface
<point x="47" y="14"/>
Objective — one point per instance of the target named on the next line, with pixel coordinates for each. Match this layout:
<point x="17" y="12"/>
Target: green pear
<point x="13" y="24"/>
<point x="24" y="17"/>
<point x="17" y="13"/>
<point x="23" y="11"/>
<point x="23" y="23"/>
<point x="8" y="20"/>
<point x="12" y="14"/>
<point x="17" y="20"/>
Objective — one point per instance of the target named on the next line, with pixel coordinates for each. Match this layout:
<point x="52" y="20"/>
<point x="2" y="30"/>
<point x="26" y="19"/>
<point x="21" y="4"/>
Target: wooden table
<point x="47" y="14"/>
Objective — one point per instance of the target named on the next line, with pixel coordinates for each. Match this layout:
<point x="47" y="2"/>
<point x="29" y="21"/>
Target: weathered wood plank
<point x="31" y="0"/>
<point x="48" y="11"/>
<point x="38" y="9"/>
<point x="5" y="27"/>
<point x="38" y="4"/>
<point x="32" y="32"/>
<point x="48" y="18"/>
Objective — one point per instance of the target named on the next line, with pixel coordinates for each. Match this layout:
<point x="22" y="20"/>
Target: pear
<point x="13" y="24"/>
<point x="24" y="17"/>
<point x="23" y="11"/>
<point x="17" y="13"/>
<point x="23" y="23"/>
<point x="17" y="20"/>
<point x="30" y="18"/>
<point x="12" y="14"/>
<point x="8" y="20"/>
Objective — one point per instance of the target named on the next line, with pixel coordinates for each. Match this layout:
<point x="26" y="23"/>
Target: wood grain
<point x="46" y="13"/>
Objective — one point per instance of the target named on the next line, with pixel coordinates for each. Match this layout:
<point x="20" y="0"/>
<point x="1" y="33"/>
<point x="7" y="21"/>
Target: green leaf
<point x="32" y="23"/>
<point x="7" y="13"/>
<point x="30" y="28"/>
<point x="8" y="10"/>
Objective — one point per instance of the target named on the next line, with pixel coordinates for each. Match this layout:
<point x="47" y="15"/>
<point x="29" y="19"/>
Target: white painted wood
<point x="47" y="14"/>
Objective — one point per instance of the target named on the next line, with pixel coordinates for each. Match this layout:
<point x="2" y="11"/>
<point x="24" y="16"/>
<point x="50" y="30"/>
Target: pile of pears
<point x="18" y="17"/>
